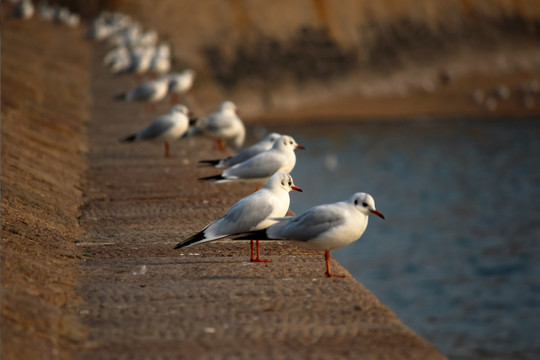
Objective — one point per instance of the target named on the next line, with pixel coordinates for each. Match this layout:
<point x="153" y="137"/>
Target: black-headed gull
<point x="180" y="83"/>
<point x="253" y="212"/>
<point x="223" y="125"/>
<point x="263" y="145"/>
<point x="165" y="128"/>
<point x="280" y="157"/>
<point x="324" y="227"/>
<point x="150" y="91"/>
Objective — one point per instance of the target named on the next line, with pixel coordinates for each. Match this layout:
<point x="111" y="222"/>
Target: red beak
<point x="300" y="147"/>
<point x="296" y="188"/>
<point x="378" y="213"/>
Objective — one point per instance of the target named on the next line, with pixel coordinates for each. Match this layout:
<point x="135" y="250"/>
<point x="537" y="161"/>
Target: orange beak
<point x="296" y="188"/>
<point x="300" y="147"/>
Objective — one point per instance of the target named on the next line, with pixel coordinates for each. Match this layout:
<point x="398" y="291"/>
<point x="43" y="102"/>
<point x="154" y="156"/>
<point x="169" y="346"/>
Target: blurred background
<point x="429" y="105"/>
<point x="333" y="58"/>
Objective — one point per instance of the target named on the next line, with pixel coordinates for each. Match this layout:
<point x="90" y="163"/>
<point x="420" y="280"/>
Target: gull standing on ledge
<point x="254" y="212"/>
<point x="324" y="227"/>
<point x="259" y="168"/>
<point x="223" y="125"/>
<point x="180" y="83"/>
<point x="165" y="128"/>
<point x="261" y="146"/>
<point x="150" y="91"/>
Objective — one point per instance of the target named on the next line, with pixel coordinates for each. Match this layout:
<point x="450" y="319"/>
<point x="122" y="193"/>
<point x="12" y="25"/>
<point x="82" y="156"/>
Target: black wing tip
<point x="210" y="162"/>
<point x="130" y="138"/>
<point x="214" y="177"/>
<point x="253" y="235"/>
<point x="120" y="97"/>
<point x="191" y="240"/>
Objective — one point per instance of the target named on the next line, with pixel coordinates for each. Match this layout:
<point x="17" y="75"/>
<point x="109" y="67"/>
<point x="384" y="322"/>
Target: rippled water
<point x="458" y="256"/>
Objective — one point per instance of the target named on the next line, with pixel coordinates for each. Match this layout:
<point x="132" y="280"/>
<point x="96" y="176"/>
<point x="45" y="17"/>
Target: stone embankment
<point x="88" y="227"/>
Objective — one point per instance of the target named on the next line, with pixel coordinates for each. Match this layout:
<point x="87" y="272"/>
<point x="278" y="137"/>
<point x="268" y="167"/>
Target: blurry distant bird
<point x="23" y="9"/>
<point x="165" y="128"/>
<point x="161" y="60"/>
<point x="46" y="11"/>
<point x="151" y="91"/>
<point x="245" y="154"/>
<point x="258" y="169"/>
<point x="324" y="227"/>
<point x="253" y="212"/>
<point x="107" y="24"/>
<point x="223" y="125"/>
<point x="65" y="17"/>
<point x="180" y="83"/>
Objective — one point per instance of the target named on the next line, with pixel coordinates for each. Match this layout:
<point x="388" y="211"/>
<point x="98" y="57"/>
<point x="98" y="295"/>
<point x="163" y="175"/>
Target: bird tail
<point x="253" y="235"/>
<point x="130" y="138"/>
<point x="214" y="177"/>
<point x="193" y="240"/>
<point x="120" y="97"/>
<point x="210" y="162"/>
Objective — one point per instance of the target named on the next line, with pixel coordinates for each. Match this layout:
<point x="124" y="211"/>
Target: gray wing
<point x="243" y="216"/>
<point x="157" y="128"/>
<point x="218" y="122"/>
<point x="143" y="92"/>
<point x="263" y="165"/>
<point x="241" y="156"/>
<point x="308" y="225"/>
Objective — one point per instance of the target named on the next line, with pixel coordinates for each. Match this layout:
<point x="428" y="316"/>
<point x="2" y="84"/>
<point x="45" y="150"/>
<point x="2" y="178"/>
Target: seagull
<point x="223" y="125"/>
<point x="280" y="157"/>
<point x="180" y="83"/>
<point x="165" y="128"/>
<point x="161" y="60"/>
<point x="324" y="227"/>
<point x="23" y="9"/>
<point x="151" y="91"/>
<point x="254" y="212"/>
<point x="263" y="145"/>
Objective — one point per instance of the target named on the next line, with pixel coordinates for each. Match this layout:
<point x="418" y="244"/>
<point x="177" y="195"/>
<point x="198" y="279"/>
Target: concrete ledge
<point x="139" y="297"/>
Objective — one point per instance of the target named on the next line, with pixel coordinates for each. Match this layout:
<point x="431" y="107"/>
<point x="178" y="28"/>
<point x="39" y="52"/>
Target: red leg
<point x="258" y="259"/>
<point x="167" y="153"/>
<point x="174" y="98"/>
<point x="251" y="245"/>
<point x="328" y="273"/>
<point x="221" y="145"/>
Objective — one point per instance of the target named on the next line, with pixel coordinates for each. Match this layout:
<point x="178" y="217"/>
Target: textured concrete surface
<point x="45" y="108"/>
<point x="141" y="297"/>
<point x="88" y="227"/>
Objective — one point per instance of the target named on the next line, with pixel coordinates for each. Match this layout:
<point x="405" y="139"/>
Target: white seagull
<point x="223" y="125"/>
<point x="324" y="227"/>
<point x="254" y="212"/>
<point x="263" y="145"/>
<point x="165" y="128"/>
<point x="161" y="60"/>
<point x="180" y="83"/>
<point x="280" y="157"/>
<point x="151" y="91"/>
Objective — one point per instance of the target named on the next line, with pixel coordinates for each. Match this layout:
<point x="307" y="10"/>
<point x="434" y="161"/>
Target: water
<point x="457" y="257"/>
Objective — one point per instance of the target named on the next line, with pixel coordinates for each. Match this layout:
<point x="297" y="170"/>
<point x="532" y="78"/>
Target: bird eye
<point x="364" y="204"/>
<point x="290" y="183"/>
<point x="290" y="142"/>
<point x="356" y="202"/>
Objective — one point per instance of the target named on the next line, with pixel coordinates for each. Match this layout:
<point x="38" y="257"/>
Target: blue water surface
<point x="458" y="256"/>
